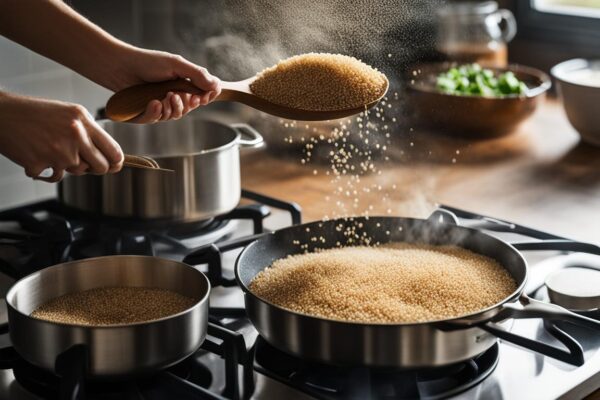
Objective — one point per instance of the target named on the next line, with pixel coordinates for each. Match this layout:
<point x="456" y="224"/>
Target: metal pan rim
<point x="16" y="286"/>
<point x="468" y="319"/>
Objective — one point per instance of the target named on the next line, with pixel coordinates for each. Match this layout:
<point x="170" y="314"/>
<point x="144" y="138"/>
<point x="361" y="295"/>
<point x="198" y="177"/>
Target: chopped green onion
<point x="472" y="79"/>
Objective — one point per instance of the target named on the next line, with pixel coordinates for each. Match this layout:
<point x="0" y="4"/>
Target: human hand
<point x="97" y="55"/>
<point x="38" y="134"/>
<point x="142" y="66"/>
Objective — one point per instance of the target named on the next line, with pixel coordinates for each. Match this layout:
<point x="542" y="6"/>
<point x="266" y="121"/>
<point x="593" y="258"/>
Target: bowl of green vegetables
<point x="475" y="101"/>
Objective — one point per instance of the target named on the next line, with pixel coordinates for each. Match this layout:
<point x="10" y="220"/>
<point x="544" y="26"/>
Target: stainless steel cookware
<point x="113" y="350"/>
<point x="413" y="345"/>
<point x="576" y="288"/>
<point x="204" y="156"/>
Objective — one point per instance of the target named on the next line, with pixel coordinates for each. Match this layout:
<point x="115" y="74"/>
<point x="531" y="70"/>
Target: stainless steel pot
<point x="206" y="179"/>
<point x="114" y="350"/>
<point x="415" y="345"/>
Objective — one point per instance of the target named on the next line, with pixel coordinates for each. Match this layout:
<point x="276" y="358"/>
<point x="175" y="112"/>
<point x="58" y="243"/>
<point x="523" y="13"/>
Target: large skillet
<point x="413" y="345"/>
<point x="113" y="351"/>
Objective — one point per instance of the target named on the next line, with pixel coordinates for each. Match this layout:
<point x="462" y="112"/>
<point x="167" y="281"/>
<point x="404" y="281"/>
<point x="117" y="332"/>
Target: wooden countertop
<point x="541" y="176"/>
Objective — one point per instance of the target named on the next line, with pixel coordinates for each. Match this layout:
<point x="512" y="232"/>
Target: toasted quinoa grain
<point x="113" y="305"/>
<point x="398" y="283"/>
<point x="320" y="82"/>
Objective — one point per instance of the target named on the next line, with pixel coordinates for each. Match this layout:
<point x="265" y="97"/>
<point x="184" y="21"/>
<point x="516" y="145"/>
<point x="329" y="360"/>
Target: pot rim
<point x="17" y="286"/>
<point x="561" y="71"/>
<point x="231" y="127"/>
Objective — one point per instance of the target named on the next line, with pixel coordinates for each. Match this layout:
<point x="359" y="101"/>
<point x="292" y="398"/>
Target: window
<point x="581" y="8"/>
<point x="569" y="23"/>
<point x="551" y="31"/>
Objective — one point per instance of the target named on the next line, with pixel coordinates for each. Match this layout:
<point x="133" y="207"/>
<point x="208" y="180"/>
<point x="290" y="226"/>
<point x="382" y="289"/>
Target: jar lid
<point x="576" y="288"/>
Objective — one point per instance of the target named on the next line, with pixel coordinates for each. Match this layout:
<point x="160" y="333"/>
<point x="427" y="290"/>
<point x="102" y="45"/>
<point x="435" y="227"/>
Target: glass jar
<point x="475" y="32"/>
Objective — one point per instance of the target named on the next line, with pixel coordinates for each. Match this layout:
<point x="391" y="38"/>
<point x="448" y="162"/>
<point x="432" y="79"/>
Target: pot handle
<point x="255" y="138"/>
<point x="530" y="308"/>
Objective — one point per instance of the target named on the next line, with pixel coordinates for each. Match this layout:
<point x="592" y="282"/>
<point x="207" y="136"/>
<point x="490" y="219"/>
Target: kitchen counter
<point x="541" y="176"/>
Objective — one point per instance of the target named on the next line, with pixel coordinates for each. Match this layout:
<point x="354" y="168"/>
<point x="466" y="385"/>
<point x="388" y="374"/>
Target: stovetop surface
<point x="519" y="374"/>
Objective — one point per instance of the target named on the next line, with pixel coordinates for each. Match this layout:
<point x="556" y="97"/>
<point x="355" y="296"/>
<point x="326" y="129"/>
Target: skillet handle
<point x="558" y="245"/>
<point x="530" y="308"/>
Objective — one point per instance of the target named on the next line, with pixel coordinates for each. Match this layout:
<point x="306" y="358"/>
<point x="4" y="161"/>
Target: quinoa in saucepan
<point x="113" y="305"/>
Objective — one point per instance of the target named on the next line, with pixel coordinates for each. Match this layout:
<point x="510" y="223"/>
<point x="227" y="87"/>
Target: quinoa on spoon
<point x="307" y="87"/>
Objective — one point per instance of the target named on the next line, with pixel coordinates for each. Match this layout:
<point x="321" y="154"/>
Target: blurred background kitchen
<point x="236" y="38"/>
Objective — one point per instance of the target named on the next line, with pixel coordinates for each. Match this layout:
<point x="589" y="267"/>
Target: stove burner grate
<point x="328" y="382"/>
<point x="189" y="379"/>
<point x="38" y="235"/>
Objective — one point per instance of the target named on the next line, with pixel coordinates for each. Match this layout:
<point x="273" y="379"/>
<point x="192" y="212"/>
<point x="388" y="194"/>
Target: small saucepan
<point x="203" y="155"/>
<point x="112" y="351"/>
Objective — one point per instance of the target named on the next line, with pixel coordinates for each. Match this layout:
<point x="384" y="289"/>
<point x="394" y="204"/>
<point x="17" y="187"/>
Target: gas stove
<point x="235" y="362"/>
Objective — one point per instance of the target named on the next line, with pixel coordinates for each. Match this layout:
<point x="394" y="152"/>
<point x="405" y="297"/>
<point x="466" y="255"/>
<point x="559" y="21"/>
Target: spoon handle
<point x="128" y="103"/>
<point x="131" y="102"/>
<point x="142" y="162"/>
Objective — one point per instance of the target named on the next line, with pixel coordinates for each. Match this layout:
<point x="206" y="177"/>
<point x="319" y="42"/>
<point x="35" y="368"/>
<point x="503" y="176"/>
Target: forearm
<point x="53" y="29"/>
<point x="7" y="105"/>
<point x="4" y="109"/>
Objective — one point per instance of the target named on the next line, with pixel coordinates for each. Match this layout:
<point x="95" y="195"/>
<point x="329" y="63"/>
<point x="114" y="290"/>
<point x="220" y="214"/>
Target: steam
<point x="237" y="38"/>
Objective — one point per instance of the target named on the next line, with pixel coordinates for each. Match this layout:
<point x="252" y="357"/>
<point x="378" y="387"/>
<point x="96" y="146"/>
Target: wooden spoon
<point x="143" y="162"/>
<point x="131" y="102"/>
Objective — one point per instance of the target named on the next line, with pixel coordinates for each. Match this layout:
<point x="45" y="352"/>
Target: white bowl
<point x="581" y="99"/>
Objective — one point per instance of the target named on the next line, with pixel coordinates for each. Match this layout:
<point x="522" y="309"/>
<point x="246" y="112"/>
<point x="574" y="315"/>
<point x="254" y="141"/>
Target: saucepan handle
<point x="248" y="136"/>
<point x="530" y="308"/>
